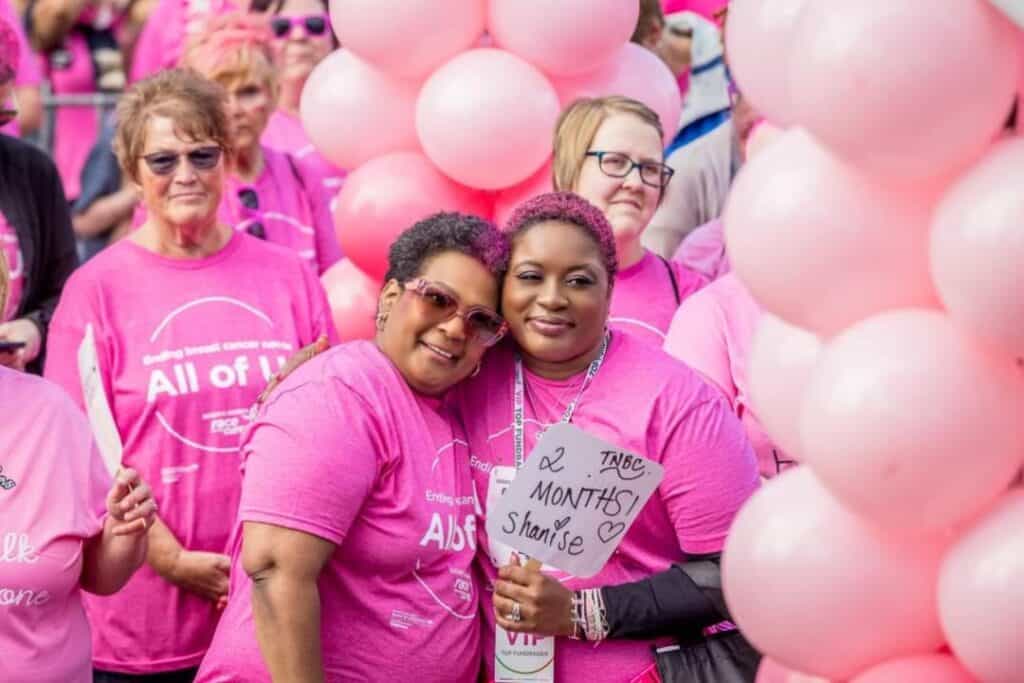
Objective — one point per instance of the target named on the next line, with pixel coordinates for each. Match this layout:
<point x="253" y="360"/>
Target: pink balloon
<point x="409" y="38"/>
<point x="874" y="80"/>
<point x="781" y="359"/>
<point x="634" y="72"/>
<point x="353" y="111"/>
<point x="486" y="118"/>
<point x="539" y="183"/>
<point x="977" y="247"/>
<point x="566" y="37"/>
<point x="756" y="29"/>
<point x="761" y="137"/>
<point x="352" y="297"/>
<point x="773" y="672"/>
<point x="818" y="589"/>
<point x="981" y="593"/>
<point x="911" y="422"/>
<point x="937" y="668"/>
<point x="859" y="246"/>
<point x="388" y="195"/>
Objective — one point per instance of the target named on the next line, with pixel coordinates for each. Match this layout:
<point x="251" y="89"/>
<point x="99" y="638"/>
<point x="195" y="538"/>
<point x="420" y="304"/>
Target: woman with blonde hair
<point x="609" y="151"/>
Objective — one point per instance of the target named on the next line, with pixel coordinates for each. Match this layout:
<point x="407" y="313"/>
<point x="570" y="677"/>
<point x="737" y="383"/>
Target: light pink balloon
<point x="874" y="80"/>
<point x="781" y="359"/>
<point x="911" y="422"/>
<point x="977" y="247"/>
<point x="562" y="38"/>
<point x="817" y="589"/>
<point x="799" y="221"/>
<point x="759" y="39"/>
<point x="936" y="668"/>
<point x="634" y="72"/>
<point x="352" y="297"/>
<point x="388" y="195"/>
<point x="409" y="38"/>
<point x="486" y="118"/>
<point x="981" y="593"/>
<point x="761" y="137"/>
<point x="773" y="672"/>
<point x="539" y="183"/>
<point x="353" y="111"/>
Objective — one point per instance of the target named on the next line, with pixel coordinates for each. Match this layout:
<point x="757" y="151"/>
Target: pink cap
<point x="9" y="51"/>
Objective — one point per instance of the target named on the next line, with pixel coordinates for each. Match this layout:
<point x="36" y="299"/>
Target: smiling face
<point x="556" y="296"/>
<point x="187" y="197"/>
<point x="627" y="203"/>
<point x="433" y="355"/>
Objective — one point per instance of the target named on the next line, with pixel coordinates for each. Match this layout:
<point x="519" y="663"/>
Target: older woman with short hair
<point x="269" y="194"/>
<point x="190" y="319"/>
<point x="609" y="151"/>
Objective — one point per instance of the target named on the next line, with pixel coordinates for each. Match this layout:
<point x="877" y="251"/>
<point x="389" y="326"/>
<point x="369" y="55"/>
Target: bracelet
<point x="589" y="616"/>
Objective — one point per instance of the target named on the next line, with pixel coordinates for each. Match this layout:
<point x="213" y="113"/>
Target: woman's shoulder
<point x="43" y="400"/>
<point x="356" y="366"/>
<point x="649" y="369"/>
<point x="20" y="159"/>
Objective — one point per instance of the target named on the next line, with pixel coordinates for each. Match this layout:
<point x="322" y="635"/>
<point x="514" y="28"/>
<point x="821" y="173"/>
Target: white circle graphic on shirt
<point x="237" y="308"/>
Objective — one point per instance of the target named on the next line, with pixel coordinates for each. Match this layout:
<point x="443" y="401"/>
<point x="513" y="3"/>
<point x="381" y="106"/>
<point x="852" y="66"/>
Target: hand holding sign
<point x="573" y="500"/>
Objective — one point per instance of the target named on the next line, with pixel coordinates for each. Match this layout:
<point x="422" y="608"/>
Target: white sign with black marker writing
<point x="573" y="500"/>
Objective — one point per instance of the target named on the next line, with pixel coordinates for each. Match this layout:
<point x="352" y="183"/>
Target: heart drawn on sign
<point x="607" y="531"/>
<point x="560" y="523"/>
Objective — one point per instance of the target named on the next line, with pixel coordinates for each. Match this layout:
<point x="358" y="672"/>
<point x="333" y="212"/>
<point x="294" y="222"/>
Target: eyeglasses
<point x="618" y="165"/>
<point x="482" y="324"/>
<point x="249" y="200"/>
<point x="313" y="25"/>
<point x="165" y="163"/>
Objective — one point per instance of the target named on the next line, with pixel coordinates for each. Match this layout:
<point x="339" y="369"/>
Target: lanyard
<point x="518" y="391"/>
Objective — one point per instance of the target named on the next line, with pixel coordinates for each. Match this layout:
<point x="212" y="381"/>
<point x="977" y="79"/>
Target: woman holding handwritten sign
<point x="567" y="367"/>
<point x="358" y="513"/>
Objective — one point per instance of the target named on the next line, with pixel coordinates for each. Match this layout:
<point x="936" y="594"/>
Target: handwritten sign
<point x="96" y="405"/>
<point x="573" y="500"/>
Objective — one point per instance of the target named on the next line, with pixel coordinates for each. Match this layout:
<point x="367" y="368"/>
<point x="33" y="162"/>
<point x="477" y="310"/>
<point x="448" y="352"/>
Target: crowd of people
<point x="334" y="526"/>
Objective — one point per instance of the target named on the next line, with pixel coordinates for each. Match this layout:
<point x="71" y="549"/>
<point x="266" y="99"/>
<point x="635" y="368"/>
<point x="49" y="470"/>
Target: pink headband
<point x="9" y="51"/>
<point x="224" y="35"/>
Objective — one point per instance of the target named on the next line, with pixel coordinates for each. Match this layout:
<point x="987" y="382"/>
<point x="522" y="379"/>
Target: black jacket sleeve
<point x="681" y="601"/>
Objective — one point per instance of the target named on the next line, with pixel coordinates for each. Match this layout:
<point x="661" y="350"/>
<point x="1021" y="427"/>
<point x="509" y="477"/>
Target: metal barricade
<point x="102" y="102"/>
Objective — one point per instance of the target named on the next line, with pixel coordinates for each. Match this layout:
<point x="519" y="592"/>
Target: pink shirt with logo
<point x="643" y="300"/>
<point x="712" y="333"/>
<point x="290" y="209"/>
<point x="346" y="451"/>
<point x="703" y="250"/>
<point x="284" y="132"/>
<point x="185" y="347"/>
<point x="15" y="266"/>
<point x="53" y="488"/>
<point x="645" y="402"/>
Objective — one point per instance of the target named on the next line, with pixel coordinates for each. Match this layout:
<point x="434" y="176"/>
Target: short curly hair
<point x="447" y="231"/>
<point x="570" y="208"/>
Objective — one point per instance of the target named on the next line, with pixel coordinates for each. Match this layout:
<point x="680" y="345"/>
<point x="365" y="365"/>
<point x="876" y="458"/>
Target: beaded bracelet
<point x="589" y="616"/>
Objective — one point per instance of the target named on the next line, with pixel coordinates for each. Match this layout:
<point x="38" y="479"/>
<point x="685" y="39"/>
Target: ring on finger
<point x="516" y="615"/>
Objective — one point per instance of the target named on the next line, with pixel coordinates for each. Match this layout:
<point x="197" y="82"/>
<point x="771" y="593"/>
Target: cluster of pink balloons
<point x="450" y="105"/>
<point x="883" y="232"/>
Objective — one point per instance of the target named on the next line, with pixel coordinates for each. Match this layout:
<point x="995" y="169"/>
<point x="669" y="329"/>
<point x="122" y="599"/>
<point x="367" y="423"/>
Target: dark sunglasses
<point x="482" y="324"/>
<point x="165" y="163"/>
<point x="313" y="25"/>
<point x="248" y="198"/>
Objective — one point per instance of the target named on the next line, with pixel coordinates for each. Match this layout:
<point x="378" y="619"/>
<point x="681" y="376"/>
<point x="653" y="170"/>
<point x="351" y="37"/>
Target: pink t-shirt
<point x="185" y="346"/>
<point x="16" y="268"/>
<point x="53" y="488"/>
<point x="290" y="209"/>
<point x="643" y="401"/>
<point x="643" y="300"/>
<point x="712" y="333"/>
<point x="346" y="451"/>
<point x="284" y="132"/>
<point x="703" y="250"/>
<point x="162" y="41"/>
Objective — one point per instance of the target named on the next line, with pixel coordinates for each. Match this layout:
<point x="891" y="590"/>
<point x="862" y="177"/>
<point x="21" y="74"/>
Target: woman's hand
<point x="545" y="605"/>
<point x="292" y="364"/>
<point x="20" y="330"/>
<point x="202" y="573"/>
<point x="130" y="504"/>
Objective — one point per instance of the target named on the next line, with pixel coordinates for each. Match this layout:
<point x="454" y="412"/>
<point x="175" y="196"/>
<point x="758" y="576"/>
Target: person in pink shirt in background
<point x="191" y="318"/>
<point x="302" y="39"/>
<point x="576" y="368"/>
<point x="358" y="516"/>
<point x="609" y="151"/>
<point x="65" y="528"/>
<point x="27" y="78"/>
<point x="266" y="194"/>
<point x="168" y="30"/>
